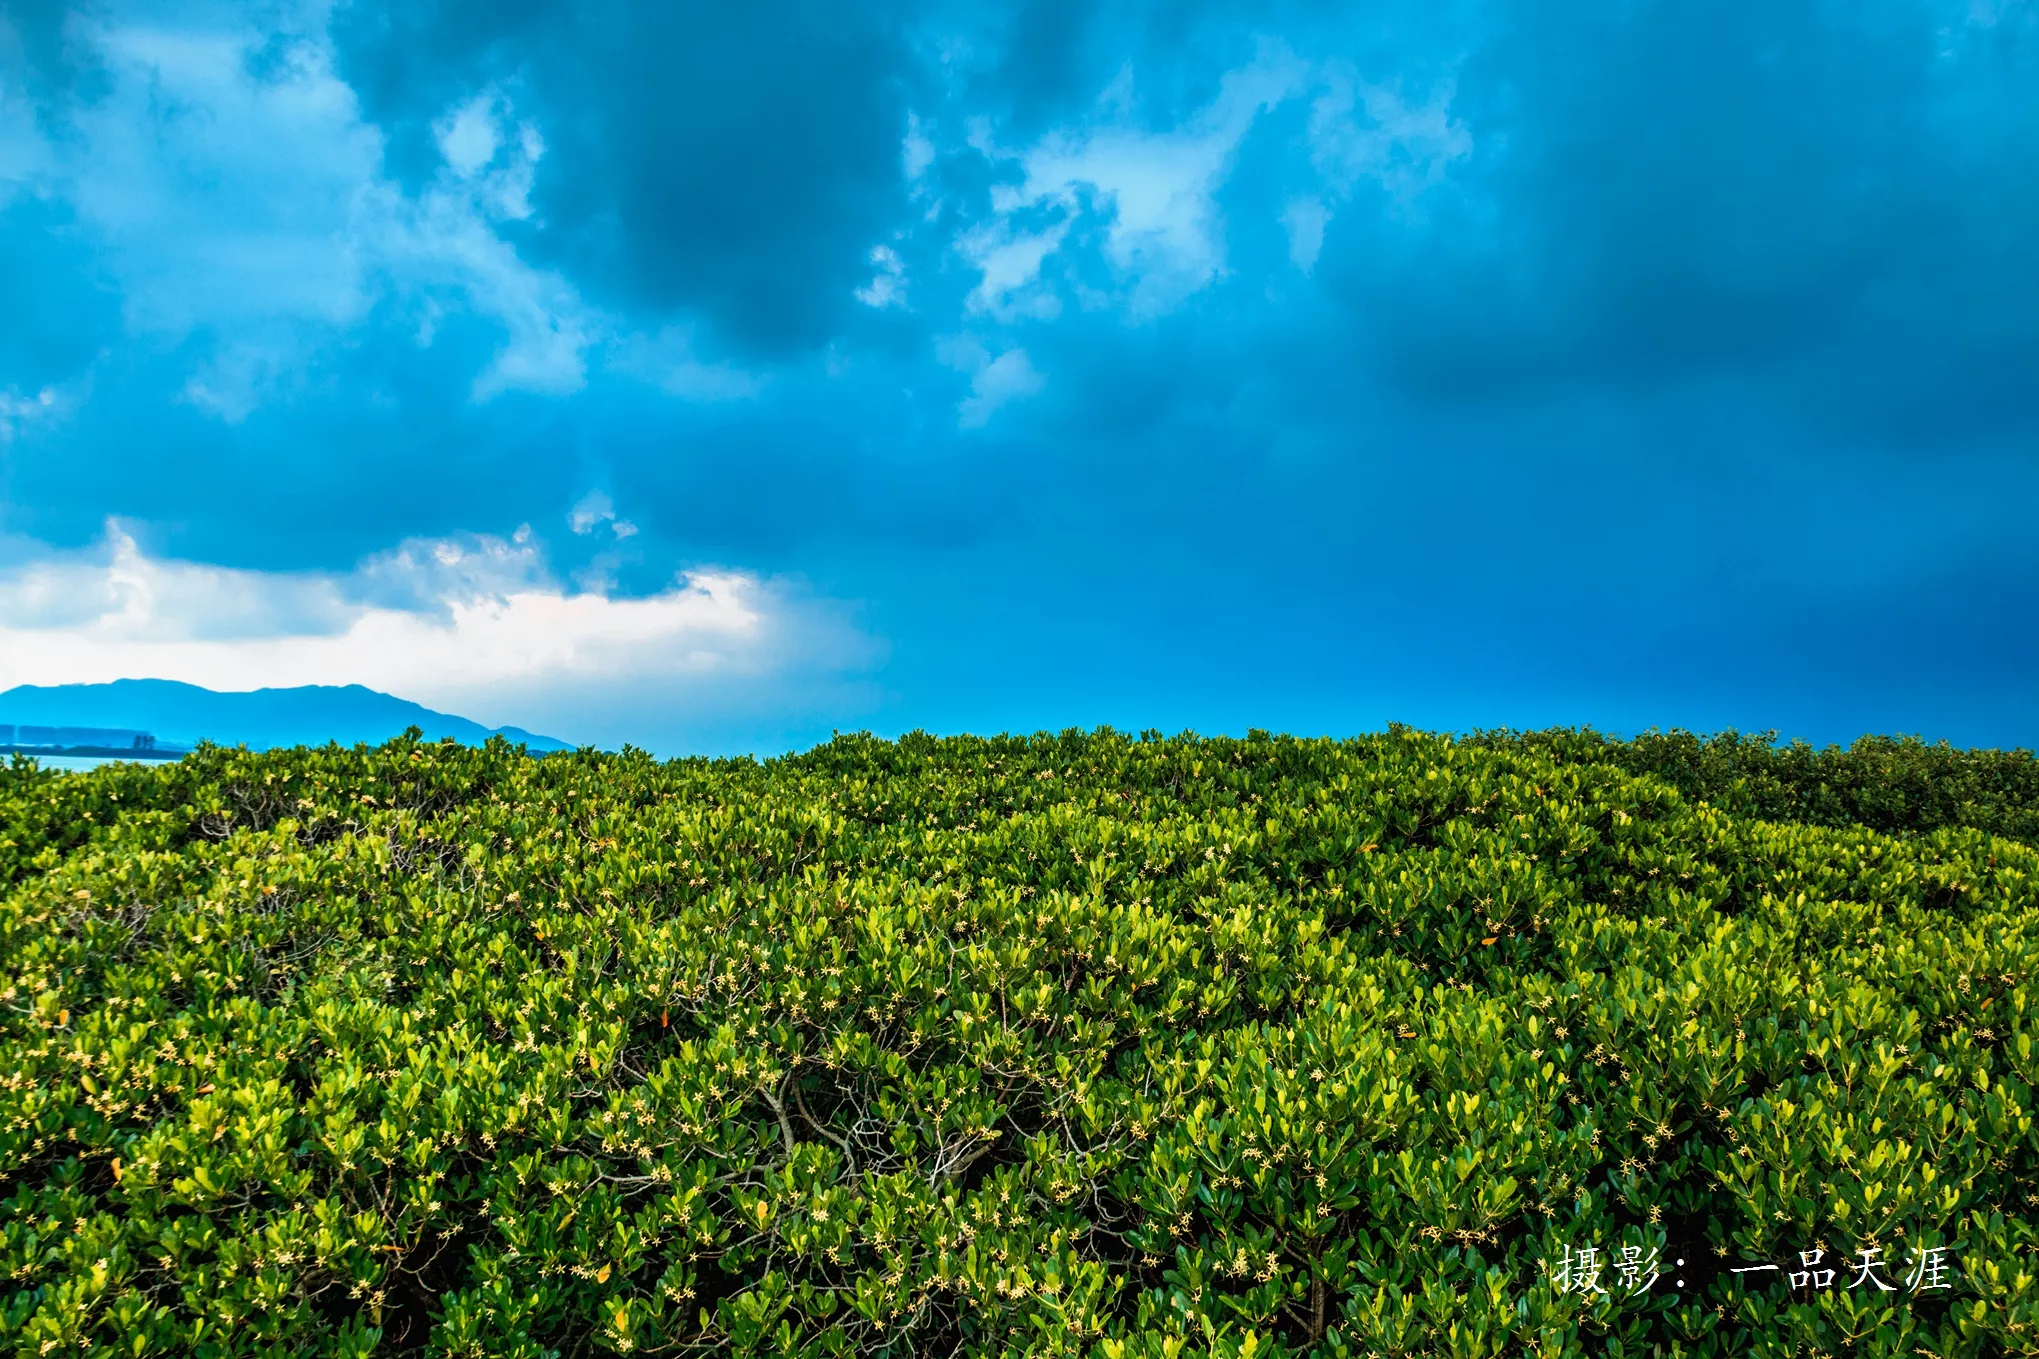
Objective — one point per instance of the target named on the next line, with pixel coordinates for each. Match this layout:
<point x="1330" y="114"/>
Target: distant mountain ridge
<point x="184" y="714"/>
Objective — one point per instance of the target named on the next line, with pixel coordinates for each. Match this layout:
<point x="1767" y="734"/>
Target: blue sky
<point x="713" y="377"/>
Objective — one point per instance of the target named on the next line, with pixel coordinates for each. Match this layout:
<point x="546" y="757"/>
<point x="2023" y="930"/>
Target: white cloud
<point x="221" y="198"/>
<point x="1008" y="377"/>
<point x="474" y="138"/>
<point x="447" y="240"/>
<point x="596" y="508"/>
<point x="467" y="623"/>
<point x="1158" y="189"/>
<point x="468" y="136"/>
<point x="1011" y="287"/>
<point x="117" y="590"/>
<point x="994" y="381"/>
<point x="1154" y="192"/>
<point x="248" y="199"/>
<point x="888" y="287"/>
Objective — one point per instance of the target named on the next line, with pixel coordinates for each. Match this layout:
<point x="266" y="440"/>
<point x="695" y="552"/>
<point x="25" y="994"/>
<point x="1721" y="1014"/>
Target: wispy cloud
<point x="1305" y="218"/>
<point x="667" y="360"/>
<point x="1365" y="132"/>
<point x="594" y="509"/>
<point x="995" y="380"/>
<point x="1164" y="233"/>
<point x="1150" y="195"/>
<point x="18" y="409"/>
<point x="1009" y="262"/>
<point x="1153" y="190"/>
<point x="887" y="287"/>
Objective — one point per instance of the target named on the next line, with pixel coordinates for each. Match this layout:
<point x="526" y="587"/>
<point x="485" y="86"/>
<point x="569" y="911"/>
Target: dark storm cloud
<point x="733" y="161"/>
<point x="1823" y="193"/>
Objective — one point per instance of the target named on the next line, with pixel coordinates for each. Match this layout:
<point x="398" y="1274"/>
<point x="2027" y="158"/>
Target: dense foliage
<point x="1070" y="1045"/>
<point x="1888" y="784"/>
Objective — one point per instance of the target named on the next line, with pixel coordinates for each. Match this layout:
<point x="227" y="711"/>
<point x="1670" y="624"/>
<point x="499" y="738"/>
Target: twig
<point x="800" y="1103"/>
<point x="785" y="1123"/>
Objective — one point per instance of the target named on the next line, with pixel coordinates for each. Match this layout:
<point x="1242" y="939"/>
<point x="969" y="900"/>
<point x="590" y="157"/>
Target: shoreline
<point x="95" y="752"/>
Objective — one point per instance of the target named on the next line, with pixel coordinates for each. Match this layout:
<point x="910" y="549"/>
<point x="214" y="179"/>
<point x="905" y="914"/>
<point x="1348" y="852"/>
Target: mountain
<point x="184" y="714"/>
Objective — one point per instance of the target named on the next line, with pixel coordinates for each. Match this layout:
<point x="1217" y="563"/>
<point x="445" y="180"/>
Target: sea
<point x="80" y="763"/>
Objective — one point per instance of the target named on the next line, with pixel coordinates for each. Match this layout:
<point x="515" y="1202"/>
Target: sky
<point x="714" y="378"/>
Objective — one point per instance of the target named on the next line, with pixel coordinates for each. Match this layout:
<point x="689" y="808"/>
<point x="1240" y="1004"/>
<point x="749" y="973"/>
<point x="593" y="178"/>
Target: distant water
<point x="79" y="763"/>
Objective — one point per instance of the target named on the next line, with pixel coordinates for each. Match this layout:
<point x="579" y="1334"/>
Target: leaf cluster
<point x="1072" y="1044"/>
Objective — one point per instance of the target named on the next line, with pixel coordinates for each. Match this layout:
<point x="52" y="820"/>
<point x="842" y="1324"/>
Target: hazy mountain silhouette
<point x="184" y="714"/>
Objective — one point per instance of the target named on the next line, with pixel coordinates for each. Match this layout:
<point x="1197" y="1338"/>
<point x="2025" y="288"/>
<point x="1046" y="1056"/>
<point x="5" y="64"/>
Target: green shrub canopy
<point x="1063" y="1045"/>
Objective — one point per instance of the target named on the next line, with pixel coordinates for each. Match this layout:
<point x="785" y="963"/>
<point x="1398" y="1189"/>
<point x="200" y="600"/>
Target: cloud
<point x="462" y="621"/>
<point x="1362" y="131"/>
<point x="667" y="359"/>
<point x="1149" y="195"/>
<point x="241" y="198"/>
<point x="1660" y="196"/>
<point x="730" y="164"/>
<point x="222" y="197"/>
<point x="17" y="410"/>
<point x="468" y="135"/>
<point x="888" y="287"/>
<point x="596" y="508"/>
<point x="1159" y="187"/>
<point x="1009" y="262"/>
<point x="1498" y="255"/>
<point x="994" y="381"/>
<point x="916" y="150"/>
<point x="1305" y="218"/>
<point x="25" y="154"/>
